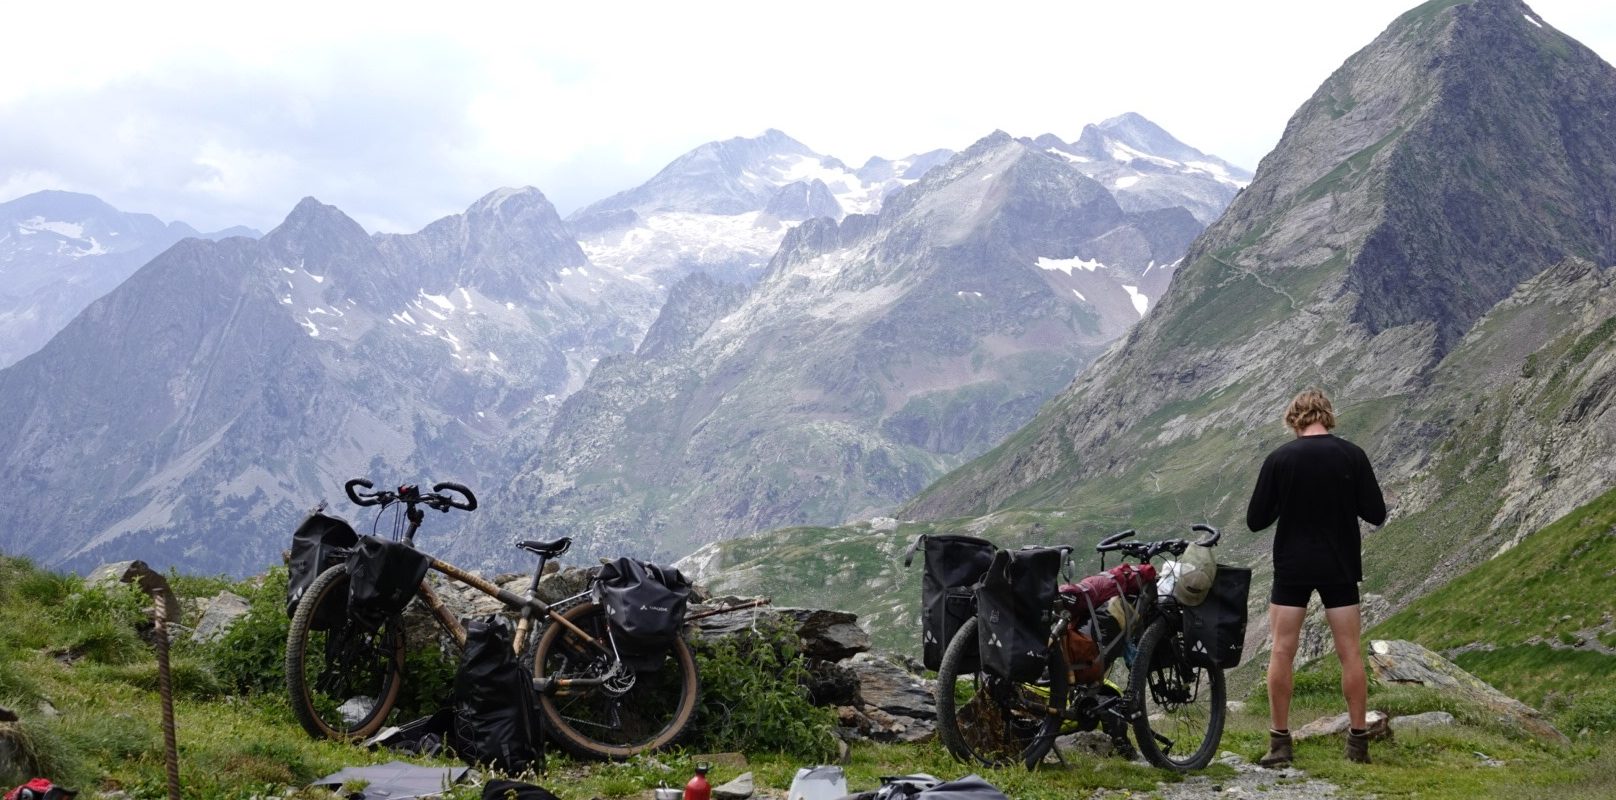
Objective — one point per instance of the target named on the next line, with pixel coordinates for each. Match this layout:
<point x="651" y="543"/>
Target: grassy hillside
<point x="1537" y="620"/>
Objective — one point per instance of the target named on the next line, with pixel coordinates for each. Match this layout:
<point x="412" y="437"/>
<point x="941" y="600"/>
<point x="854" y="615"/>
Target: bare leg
<point x="1346" y="626"/>
<point x="1285" y="623"/>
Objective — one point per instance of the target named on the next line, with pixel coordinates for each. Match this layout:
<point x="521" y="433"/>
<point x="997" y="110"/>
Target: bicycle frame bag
<point x="645" y="605"/>
<point x="951" y="569"/>
<point x="496" y="715"/>
<point x="382" y="578"/>
<point x="319" y="544"/>
<point x="1216" y="629"/>
<point x="1013" y="600"/>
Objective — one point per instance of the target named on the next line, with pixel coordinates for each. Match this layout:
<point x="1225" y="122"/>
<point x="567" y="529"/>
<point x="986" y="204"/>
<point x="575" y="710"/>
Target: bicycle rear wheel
<point x="632" y="712"/>
<point x="342" y="680"/>
<point x="992" y="721"/>
<point x="1183" y="703"/>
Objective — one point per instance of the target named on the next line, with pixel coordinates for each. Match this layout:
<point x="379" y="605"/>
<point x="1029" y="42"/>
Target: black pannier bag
<point x="496" y="715"/>
<point x="1215" y="630"/>
<point x="952" y="566"/>
<point x="319" y="544"/>
<point x="1012" y="603"/>
<point x="382" y="577"/>
<point x="645" y="605"/>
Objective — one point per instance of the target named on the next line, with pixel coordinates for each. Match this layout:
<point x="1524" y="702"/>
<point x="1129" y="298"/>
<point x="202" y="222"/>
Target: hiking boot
<point x="1358" y="747"/>
<point x="1279" y="751"/>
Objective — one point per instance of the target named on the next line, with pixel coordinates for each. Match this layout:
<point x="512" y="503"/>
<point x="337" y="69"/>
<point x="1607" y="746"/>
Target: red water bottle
<point x="698" y="788"/>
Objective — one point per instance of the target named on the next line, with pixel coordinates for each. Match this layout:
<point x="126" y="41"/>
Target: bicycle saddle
<point x="549" y="549"/>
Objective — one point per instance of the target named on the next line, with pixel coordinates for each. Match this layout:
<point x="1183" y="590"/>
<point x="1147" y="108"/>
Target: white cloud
<point x="401" y="112"/>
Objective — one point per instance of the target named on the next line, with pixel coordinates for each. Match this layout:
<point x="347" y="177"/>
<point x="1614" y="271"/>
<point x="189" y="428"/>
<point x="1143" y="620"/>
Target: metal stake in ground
<point x="164" y="608"/>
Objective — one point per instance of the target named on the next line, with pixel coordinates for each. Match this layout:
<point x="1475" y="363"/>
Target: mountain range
<point x="225" y="387"/>
<point x="61" y="250"/>
<point x="1431" y="242"/>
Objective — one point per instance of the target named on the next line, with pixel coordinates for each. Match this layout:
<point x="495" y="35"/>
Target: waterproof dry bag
<point x="950" y="571"/>
<point x="1013" y="601"/>
<point x="496" y="716"/>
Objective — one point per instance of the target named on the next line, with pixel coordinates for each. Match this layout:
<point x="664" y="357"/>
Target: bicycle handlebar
<point x="471" y="500"/>
<point x="1148" y="550"/>
<point x="410" y="495"/>
<point x="1110" y="542"/>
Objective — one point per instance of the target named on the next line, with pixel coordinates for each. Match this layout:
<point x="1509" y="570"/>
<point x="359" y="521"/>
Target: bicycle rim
<point x="990" y="720"/>
<point x="634" y="712"/>
<point x="342" y="680"/>
<point x="1183" y="703"/>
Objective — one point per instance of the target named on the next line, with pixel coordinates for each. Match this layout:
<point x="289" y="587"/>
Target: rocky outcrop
<point x="1401" y="662"/>
<point x="218" y="615"/>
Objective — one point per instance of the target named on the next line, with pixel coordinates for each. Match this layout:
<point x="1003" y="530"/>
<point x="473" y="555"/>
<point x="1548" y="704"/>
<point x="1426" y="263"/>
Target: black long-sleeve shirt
<point x="1317" y="487"/>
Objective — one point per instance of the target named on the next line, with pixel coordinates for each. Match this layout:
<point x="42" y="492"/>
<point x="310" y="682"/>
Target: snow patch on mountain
<point x="1066" y="265"/>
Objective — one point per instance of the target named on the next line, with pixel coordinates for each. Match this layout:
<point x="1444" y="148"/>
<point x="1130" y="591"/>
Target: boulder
<point x="1337" y="725"/>
<point x="893" y="703"/>
<point x="220" y="613"/>
<point x="1397" y="661"/>
<point x="825" y="635"/>
<point x="108" y="574"/>
<point x="1088" y="743"/>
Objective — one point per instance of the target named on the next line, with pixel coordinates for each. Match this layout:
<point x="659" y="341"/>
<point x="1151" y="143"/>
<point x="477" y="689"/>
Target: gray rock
<point x="1316" y="639"/>
<point x="221" y="612"/>
<point x="897" y="704"/>
<point x="108" y="574"/>
<point x="739" y="789"/>
<point x="1336" y="725"/>
<point x="827" y="635"/>
<point x="1397" y="661"/>
<point x="883" y="524"/>
<point x="1088" y="743"/>
<point x="1429" y="719"/>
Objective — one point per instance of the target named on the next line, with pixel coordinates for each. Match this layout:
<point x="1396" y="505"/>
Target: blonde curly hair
<point x="1309" y="407"/>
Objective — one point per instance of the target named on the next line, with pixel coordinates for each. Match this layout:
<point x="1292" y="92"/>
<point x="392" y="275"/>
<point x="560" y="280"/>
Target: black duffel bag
<point x="950" y="571"/>
<point x="645" y="605"/>
<point x="382" y="578"/>
<point x="1216" y="629"/>
<point x="1013" y="601"/>
<point x="496" y="715"/>
<point x="319" y="544"/>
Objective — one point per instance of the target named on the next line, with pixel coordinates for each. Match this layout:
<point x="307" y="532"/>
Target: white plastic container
<point x="818" y="783"/>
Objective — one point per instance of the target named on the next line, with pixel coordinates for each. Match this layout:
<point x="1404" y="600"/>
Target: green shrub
<point x="186" y="677"/>
<point x="100" y="623"/>
<point x="251" y="655"/>
<point x="754" y="698"/>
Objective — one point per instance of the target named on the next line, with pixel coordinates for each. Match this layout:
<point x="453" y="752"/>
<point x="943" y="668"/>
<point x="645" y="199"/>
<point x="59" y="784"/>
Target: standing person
<point x="1317" y="486"/>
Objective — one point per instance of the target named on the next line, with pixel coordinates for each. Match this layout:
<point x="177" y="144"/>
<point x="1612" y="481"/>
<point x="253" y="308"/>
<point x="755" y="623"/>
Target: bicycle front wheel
<point x="342" y="680"/>
<point x="1182" y="703"/>
<point x="610" y="715"/>
<point x="991" y="721"/>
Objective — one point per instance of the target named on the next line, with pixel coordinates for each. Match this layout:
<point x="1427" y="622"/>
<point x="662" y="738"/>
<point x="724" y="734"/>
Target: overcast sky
<point x="400" y="113"/>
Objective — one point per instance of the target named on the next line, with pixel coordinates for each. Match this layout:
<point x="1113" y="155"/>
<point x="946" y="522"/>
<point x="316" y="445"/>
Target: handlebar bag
<point x="382" y="578"/>
<point x="645" y="605"/>
<point x="1216" y="629"/>
<point x="496" y="719"/>
<point x="950" y="571"/>
<point x="1013" y="600"/>
<point x="319" y="544"/>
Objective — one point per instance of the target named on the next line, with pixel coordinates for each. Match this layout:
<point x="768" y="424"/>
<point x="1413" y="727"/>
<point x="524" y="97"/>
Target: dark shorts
<point x="1334" y="595"/>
